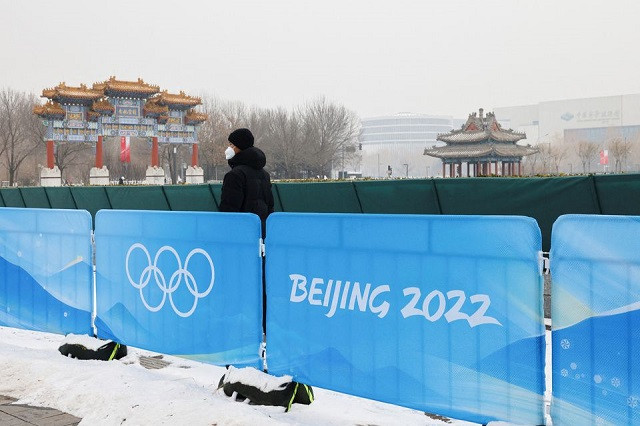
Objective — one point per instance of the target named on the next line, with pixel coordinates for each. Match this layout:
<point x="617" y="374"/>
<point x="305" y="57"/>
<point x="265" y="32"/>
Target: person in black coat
<point x="247" y="186"/>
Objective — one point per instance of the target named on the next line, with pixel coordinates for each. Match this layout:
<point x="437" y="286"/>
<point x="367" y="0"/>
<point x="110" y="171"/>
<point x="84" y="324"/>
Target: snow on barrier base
<point x="186" y="284"/>
<point x="437" y="313"/>
<point x="595" y="262"/>
<point x="45" y="270"/>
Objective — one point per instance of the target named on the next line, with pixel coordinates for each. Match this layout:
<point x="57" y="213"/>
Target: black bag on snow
<point x="284" y="395"/>
<point x="106" y="352"/>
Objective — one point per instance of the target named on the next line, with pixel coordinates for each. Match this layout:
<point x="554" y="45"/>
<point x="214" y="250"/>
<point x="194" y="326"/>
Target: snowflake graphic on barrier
<point x="565" y="343"/>
<point x="615" y="382"/>
<point x="564" y="372"/>
<point x="632" y="401"/>
<point x="573" y="365"/>
<point x="604" y="392"/>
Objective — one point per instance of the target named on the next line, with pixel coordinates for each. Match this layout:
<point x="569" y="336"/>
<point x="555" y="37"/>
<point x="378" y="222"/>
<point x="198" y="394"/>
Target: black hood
<point x="252" y="156"/>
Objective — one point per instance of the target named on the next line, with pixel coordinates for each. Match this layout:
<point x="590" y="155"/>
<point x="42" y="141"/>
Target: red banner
<point x="604" y="157"/>
<point x="125" y="149"/>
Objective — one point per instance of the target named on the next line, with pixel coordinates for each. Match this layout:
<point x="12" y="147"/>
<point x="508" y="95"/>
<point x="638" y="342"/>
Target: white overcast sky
<point x="375" y="57"/>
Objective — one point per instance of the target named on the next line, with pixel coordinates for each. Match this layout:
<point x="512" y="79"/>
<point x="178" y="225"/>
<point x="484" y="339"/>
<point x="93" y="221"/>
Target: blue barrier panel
<point x="595" y="265"/>
<point x="45" y="270"/>
<point x="182" y="283"/>
<point x="437" y="313"/>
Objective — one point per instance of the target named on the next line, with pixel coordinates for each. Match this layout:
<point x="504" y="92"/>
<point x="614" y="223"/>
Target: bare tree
<point x="620" y="149"/>
<point x="18" y="130"/>
<point x="71" y="154"/>
<point x="284" y="145"/>
<point x="328" y="129"/>
<point x="586" y="152"/>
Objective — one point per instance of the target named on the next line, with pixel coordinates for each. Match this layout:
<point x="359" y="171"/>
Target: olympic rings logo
<point x="174" y="281"/>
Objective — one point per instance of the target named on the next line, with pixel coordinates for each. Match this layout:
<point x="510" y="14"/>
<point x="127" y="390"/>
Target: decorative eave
<point x="122" y="88"/>
<point x="103" y="107"/>
<point x="176" y="101"/>
<point x="152" y="109"/>
<point x="68" y="94"/>
<point x="194" y="117"/>
<point x="49" y="110"/>
<point x="485" y="150"/>
<point x="162" y="119"/>
<point x="92" y="115"/>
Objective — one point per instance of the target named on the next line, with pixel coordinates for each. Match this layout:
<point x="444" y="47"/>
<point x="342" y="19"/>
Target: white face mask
<point x="229" y="153"/>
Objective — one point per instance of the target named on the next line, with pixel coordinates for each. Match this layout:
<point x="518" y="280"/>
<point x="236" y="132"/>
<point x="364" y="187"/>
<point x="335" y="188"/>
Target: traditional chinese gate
<point x="124" y="109"/>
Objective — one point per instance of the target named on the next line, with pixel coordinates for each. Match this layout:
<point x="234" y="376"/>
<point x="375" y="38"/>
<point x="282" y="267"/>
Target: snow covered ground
<point x="184" y="392"/>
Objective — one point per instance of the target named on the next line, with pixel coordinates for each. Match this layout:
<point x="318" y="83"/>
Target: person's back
<point x="247" y="187"/>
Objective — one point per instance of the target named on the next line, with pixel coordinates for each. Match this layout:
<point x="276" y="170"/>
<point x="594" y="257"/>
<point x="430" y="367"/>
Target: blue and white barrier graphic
<point x="595" y="263"/>
<point x="45" y="270"/>
<point x="183" y="283"/>
<point x="438" y="313"/>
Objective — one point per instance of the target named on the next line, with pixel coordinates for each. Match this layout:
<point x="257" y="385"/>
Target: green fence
<point x="541" y="198"/>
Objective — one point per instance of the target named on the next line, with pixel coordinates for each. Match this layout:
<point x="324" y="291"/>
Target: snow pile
<point x="184" y="392"/>
<point x="251" y="376"/>
<point x="88" y="342"/>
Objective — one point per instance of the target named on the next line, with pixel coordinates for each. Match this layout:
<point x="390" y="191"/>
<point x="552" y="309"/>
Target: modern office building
<point x="572" y="121"/>
<point x="396" y="143"/>
<point x="588" y="118"/>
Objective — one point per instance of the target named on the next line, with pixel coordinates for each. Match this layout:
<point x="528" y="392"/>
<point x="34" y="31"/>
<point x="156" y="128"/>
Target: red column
<point x="194" y="155"/>
<point x="154" y="152"/>
<point x="99" y="153"/>
<point x="444" y="170"/>
<point x="50" y="159"/>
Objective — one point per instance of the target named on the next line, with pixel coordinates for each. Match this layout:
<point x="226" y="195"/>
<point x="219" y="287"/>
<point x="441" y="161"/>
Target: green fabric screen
<point x="618" y="194"/>
<point x="60" y="197"/>
<point x="137" y="198"/>
<point x="90" y="198"/>
<point x="329" y="197"/>
<point x="12" y="197"/>
<point x="216" y="190"/>
<point x="401" y="196"/>
<point x="190" y="198"/>
<point x="35" y="197"/>
<point x="544" y="199"/>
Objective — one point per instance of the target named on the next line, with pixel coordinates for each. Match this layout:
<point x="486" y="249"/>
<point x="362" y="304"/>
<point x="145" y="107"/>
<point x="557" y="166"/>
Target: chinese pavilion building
<point x="124" y="109"/>
<point x="485" y="147"/>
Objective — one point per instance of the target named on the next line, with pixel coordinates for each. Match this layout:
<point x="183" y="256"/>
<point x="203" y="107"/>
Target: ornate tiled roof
<point x="479" y="129"/>
<point x="181" y="100"/>
<point x="152" y="109"/>
<point x="113" y="87"/>
<point x="49" y="110"/>
<point x="67" y="94"/>
<point x="484" y="150"/>
<point x="103" y="106"/>
<point x="194" y="117"/>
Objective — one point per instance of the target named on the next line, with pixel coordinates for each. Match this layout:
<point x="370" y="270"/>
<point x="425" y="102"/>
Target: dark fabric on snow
<point x="106" y="352"/>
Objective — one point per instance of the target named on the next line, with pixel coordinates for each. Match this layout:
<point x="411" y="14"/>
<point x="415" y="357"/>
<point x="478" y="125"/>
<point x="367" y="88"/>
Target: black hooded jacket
<point x="247" y="187"/>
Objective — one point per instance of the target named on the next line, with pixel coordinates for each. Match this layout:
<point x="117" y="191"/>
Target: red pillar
<point x="194" y="155"/>
<point x="444" y="170"/>
<point x="154" y="152"/>
<point x="99" y="153"/>
<point x="50" y="159"/>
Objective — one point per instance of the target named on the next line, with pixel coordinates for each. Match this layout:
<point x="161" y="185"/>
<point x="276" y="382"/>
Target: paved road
<point x="25" y="415"/>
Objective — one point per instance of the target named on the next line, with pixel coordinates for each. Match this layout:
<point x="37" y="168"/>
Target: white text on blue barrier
<point x="320" y="294"/>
